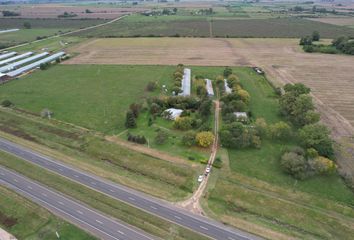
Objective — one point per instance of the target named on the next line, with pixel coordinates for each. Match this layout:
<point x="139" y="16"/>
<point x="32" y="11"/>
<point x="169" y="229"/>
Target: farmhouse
<point x="241" y="116"/>
<point x="209" y="87"/>
<point x="173" y="113"/>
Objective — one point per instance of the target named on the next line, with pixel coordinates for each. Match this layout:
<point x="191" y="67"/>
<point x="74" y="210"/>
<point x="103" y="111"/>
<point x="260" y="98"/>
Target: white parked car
<point x="207" y="170"/>
<point x="200" y="178"/>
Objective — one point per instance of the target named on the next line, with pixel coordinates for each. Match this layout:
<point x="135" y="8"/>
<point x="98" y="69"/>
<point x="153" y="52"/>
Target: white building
<point x="227" y="88"/>
<point x="209" y="87"/>
<point x="186" y="83"/>
<point x="241" y="116"/>
<point x="173" y="113"/>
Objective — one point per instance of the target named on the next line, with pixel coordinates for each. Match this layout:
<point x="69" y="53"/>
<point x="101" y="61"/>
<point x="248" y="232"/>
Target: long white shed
<point x="34" y="65"/>
<point x="9" y="60"/>
<point x="7" y="55"/>
<point x="14" y="65"/>
<point x="227" y="88"/>
<point x="186" y="83"/>
<point x="209" y="87"/>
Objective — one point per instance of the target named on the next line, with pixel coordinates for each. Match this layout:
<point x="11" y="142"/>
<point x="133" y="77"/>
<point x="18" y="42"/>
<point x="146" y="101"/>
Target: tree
<point x="322" y="165"/>
<point x="135" y="109"/>
<point x="317" y="136"/>
<point x="205" y="108"/>
<point x="297" y="88"/>
<point x="280" y="131"/>
<point x="155" y="108"/>
<point x="27" y="25"/>
<point x="151" y="86"/>
<point x="294" y="164"/>
<point x="204" y="139"/>
<point x="227" y="72"/>
<point x="302" y="105"/>
<point x="161" y="137"/>
<point x="183" y="123"/>
<point x="306" y="41"/>
<point x="244" y="95"/>
<point x="130" y="121"/>
<point x="6" y="103"/>
<point x="188" y="139"/>
<point x="315" y="36"/>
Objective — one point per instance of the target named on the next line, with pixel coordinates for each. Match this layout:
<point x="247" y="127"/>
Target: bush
<point x="6" y="103"/>
<point x="217" y="162"/>
<point x="280" y="131"/>
<point x="183" y="123"/>
<point x="204" y="139"/>
<point x="130" y="121"/>
<point x="161" y="137"/>
<point x="188" y="139"/>
<point x="295" y="165"/>
<point x="136" y="139"/>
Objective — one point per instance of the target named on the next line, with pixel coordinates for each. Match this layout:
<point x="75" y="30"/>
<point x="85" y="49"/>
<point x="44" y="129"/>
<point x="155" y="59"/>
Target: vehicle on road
<point x="200" y="178"/>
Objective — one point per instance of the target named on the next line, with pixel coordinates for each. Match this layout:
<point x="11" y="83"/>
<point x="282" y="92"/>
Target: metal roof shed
<point x="12" y="66"/>
<point x="27" y="54"/>
<point x="7" y="55"/>
<point x="209" y="87"/>
<point x="34" y="65"/>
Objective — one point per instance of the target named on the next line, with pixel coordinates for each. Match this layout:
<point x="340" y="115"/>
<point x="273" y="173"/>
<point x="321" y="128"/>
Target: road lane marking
<point x="133" y="199"/>
<point x="99" y="221"/>
<point x="231" y="238"/>
<point x="15" y="180"/>
<point x="153" y="207"/>
<point x="111" y="190"/>
<point x="202" y="227"/>
<point x="44" y="194"/>
<point x="61" y="203"/>
<point x="119" y="231"/>
<point x="76" y="176"/>
<point x="178" y="217"/>
<point x="29" y="187"/>
<point x="61" y="170"/>
<point x="79" y="212"/>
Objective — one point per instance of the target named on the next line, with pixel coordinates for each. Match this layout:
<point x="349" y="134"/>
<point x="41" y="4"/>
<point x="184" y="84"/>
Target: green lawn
<point x="26" y="220"/>
<point x="27" y="35"/>
<point x="92" y="96"/>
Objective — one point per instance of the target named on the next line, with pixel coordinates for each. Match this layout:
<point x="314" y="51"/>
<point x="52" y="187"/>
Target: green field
<point x="39" y="29"/>
<point x="221" y="25"/>
<point x="27" y="220"/>
<point x="252" y="187"/>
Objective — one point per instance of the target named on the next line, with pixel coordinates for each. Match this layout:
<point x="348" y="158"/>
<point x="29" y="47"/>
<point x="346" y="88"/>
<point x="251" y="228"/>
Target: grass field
<point x="252" y="187"/>
<point x="218" y="26"/>
<point x="26" y="35"/>
<point x="109" y="206"/>
<point x="26" y="220"/>
<point x="167" y="179"/>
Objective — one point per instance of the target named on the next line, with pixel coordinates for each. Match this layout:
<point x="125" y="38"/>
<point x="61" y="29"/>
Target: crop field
<point x="251" y="187"/>
<point x="39" y="29"/>
<point x="340" y="21"/>
<point x="221" y="25"/>
<point x="53" y="10"/>
<point x="26" y="220"/>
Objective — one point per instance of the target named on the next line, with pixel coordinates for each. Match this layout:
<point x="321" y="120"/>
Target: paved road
<point x="137" y="199"/>
<point x="100" y="225"/>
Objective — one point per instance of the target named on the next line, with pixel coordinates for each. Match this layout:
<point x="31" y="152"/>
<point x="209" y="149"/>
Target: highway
<point x="163" y="209"/>
<point x="96" y="223"/>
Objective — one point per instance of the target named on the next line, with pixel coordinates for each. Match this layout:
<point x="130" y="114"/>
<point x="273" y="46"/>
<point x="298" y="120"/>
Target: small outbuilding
<point x="241" y="116"/>
<point x="172" y="113"/>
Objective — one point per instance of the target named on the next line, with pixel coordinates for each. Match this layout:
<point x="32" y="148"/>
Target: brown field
<point x="329" y="76"/>
<point x="53" y="10"/>
<point x="340" y="21"/>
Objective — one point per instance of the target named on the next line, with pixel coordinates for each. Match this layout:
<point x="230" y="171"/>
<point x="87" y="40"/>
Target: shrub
<point x="322" y="165"/>
<point x="130" y="121"/>
<point x="217" y="162"/>
<point x="161" y="137"/>
<point x="204" y="139"/>
<point x="183" y="123"/>
<point x="280" y="131"/>
<point x="6" y="103"/>
<point x="295" y="165"/>
<point x="136" y="139"/>
<point x="188" y="139"/>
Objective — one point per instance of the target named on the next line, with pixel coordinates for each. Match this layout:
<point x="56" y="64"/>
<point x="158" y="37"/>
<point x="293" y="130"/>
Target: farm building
<point x="227" y="88"/>
<point x="12" y="59"/>
<point x="186" y="83"/>
<point x="14" y="65"/>
<point x="173" y="113"/>
<point x="7" y="55"/>
<point x="209" y="87"/>
<point x="241" y="116"/>
<point x="34" y="65"/>
<point x="9" y="30"/>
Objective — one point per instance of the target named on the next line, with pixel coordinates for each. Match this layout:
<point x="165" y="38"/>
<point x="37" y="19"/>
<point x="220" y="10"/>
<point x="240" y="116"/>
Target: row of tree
<point x="178" y="76"/>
